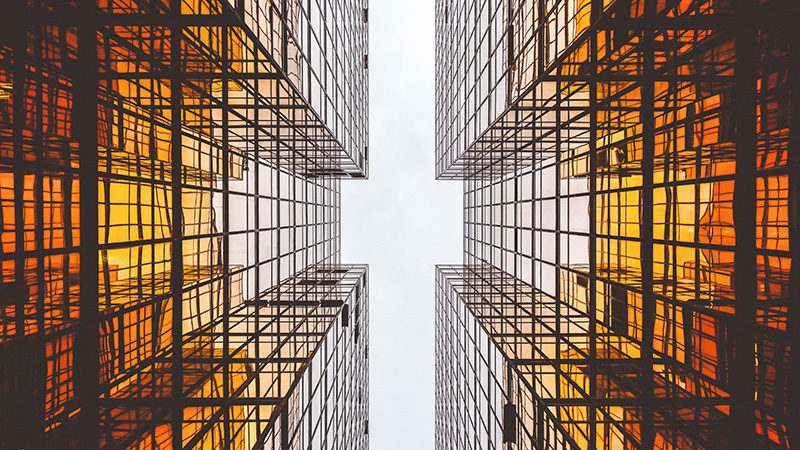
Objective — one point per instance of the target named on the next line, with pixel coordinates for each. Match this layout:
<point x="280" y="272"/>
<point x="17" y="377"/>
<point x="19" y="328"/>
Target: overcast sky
<point x="402" y="222"/>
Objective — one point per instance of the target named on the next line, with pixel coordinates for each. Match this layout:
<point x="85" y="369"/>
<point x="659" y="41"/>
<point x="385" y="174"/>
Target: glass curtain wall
<point x="169" y="199"/>
<point x="630" y="162"/>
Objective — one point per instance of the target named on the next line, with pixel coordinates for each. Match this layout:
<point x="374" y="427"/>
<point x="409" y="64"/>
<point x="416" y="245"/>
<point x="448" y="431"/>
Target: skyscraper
<point x="629" y="174"/>
<point x="170" y="240"/>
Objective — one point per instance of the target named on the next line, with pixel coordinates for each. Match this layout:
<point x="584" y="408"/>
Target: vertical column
<point x="744" y="216"/>
<point x="176" y="275"/>
<point x="226" y="304"/>
<point x="256" y="174"/>
<point x="597" y="8"/>
<point x="646" y="230"/>
<point x="87" y="336"/>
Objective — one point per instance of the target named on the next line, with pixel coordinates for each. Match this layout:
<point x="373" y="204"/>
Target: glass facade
<point x="170" y="224"/>
<point x="629" y="223"/>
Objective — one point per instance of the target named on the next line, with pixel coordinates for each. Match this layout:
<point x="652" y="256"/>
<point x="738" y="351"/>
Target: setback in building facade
<point x="169" y="224"/>
<point x="630" y="184"/>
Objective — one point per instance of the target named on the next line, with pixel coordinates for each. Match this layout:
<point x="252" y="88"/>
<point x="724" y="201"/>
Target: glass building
<point x="630" y="224"/>
<point x="170" y="224"/>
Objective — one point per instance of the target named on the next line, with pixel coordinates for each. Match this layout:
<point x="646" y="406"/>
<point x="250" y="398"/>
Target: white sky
<point x="402" y="223"/>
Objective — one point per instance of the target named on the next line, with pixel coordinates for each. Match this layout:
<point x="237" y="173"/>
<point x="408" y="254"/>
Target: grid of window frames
<point x="323" y="49"/>
<point x="484" y="327"/>
<point x="642" y="186"/>
<point x="327" y="407"/>
<point x="471" y="73"/>
<point x="469" y="370"/>
<point x="215" y="179"/>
